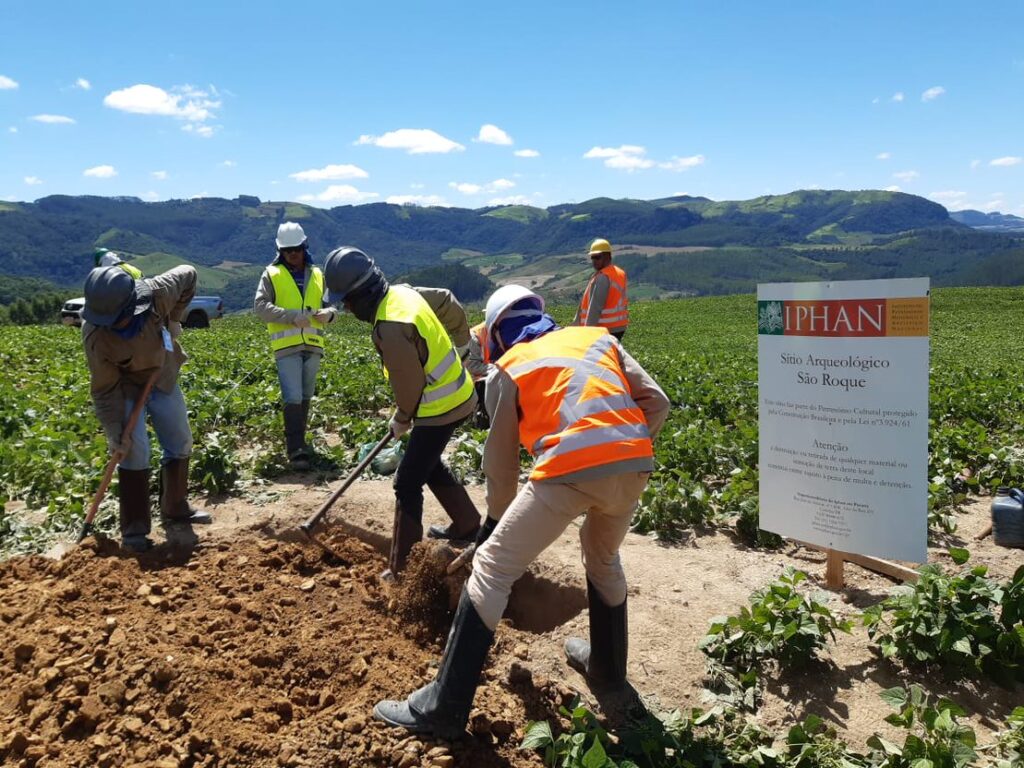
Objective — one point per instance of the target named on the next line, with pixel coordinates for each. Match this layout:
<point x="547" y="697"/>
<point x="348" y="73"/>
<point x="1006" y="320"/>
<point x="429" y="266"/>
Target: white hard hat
<point x="290" y="235"/>
<point x="109" y="259"/>
<point x="502" y="299"/>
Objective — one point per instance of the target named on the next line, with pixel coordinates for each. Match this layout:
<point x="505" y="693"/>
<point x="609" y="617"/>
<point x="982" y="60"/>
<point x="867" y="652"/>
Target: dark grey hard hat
<point x="112" y="294"/>
<point x="345" y="270"/>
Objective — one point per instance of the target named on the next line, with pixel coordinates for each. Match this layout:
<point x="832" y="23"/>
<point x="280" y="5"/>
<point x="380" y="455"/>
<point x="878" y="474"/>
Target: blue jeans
<point x="297" y="374"/>
<point x="170" y="421"/>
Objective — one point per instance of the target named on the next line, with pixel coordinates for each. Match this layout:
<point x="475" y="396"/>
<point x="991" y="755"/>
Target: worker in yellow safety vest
<point x="588" y="413"/>
<point x="605" y="302"/>
<point x="422" y="336"/>
<point x="289" y="300"/>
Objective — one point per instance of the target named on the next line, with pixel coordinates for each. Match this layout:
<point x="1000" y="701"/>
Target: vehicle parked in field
<point x="200" y="311"/>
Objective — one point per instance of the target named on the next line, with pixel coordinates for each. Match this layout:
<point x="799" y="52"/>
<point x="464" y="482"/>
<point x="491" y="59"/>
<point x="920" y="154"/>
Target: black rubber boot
<point x="441" y="708"/>
<point x="602" y="661"/>
<point x="460" y="508"/>
<point x="174" y="506"/>
<point x="295" y="436"/>
<point x="133" y="510"/>
<point x="305" y="427"/>
<point x="405" y="532"/>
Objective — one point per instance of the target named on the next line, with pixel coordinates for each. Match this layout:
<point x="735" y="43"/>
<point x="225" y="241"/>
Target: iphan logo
<point x="844" y="317"/>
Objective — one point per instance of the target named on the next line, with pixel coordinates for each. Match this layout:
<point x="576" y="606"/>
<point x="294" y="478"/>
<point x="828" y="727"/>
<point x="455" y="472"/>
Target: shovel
<point x="108" y="474"/>
<point x="308" y="526"/>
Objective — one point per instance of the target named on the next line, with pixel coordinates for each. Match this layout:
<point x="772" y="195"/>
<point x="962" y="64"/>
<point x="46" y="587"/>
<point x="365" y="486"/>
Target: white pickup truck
<point x="200" y="311"/>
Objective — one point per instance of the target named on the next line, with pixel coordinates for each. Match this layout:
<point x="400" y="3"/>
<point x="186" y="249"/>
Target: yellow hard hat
<point x="600" y="246"/>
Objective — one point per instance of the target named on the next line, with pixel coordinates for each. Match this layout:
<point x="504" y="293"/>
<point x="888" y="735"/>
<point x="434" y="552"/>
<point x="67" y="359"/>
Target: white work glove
<point x="462" y="351"/>
<point x="302" y="320"/>
<point x="399" y="428"/>
<point x="325" y="315"/>
<point x="174" y="328"/>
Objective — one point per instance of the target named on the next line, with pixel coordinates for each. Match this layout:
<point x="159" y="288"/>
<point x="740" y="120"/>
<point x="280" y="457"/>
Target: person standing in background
<point x="604" y="303"/>
<point x="290" y="301"/>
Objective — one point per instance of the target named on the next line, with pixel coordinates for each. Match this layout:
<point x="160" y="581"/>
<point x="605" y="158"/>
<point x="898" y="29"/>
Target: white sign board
<point x="843" y="414"/>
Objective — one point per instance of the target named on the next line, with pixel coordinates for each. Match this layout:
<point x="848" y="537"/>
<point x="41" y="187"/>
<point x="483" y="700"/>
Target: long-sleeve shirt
<point x="598" y="298"/>
<point x="404" y="353"/>
<point x="266" y="309"/>
<point x="119" y="367"/>
<point x="501" y="451"/>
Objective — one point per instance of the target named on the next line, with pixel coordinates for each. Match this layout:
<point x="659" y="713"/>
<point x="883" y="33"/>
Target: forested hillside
<point x="683" y="244"/>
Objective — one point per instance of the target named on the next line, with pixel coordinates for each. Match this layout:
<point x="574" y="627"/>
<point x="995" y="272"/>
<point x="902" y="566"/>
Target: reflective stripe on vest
<point x="575" y="408"/>
<point x="135" y="272"/>
<point x="448" y="384"/>
<point x="286" y="295"/>
<point x="615" y="313"/>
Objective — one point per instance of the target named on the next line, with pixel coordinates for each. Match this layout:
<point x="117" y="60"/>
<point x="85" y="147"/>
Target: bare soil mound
<point x="257" y="652"/>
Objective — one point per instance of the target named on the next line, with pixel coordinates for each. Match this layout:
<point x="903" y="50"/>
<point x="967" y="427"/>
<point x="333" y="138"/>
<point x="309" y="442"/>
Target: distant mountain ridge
<point x="724" y="245"/>
<point x="991" y="222"/>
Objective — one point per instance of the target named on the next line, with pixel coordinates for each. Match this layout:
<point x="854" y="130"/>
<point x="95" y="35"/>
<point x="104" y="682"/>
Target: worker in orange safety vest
<point x="605" y="302"/>
<point x="588" y="413"/>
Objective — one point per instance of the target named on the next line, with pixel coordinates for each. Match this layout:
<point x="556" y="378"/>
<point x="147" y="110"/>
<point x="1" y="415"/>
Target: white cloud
<point x="510" y="200"/>
<point x="12" y="129"/>
<point x="424" y="200"/>
<point x="53" y="119"/>
<point x="33" y="180"/>
<point x="465" y="187"/>
<point x="417" y="186"/>
<point x="526" y="153"/>
<point x="468" y="188"/>
<point x="492" y="134"/>
<point x="206" y="131"/>
<point x="682" y="163"/>
<point x="933" y="93"/>
<point x="897" y="97"/>
<point x="150" y="197"/>
<point x="892" y="188"/>
<point x="883" y="156"/>
<point x="84" y="84"/>
<point x="906" y="175"/>
<point x="975" y="164"/>
<point x="182" y="102"/>
<point x="1006" y="162"/>
<point x="875" y="100"/>
<point x="628" y="157"/>
<point x="100" y="172"/>
<point x="330" y="173"/>
<point x="228" y="164"/>
<point x="339" y="193"/>
<point x="159" y="175"/>
<point x="6" y="84"/>
<point x="415" y="141"/>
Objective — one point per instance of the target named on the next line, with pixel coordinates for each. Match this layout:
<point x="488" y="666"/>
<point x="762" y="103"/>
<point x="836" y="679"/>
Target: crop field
<point x="701" y="351"/>
<point x="960" y="626"/>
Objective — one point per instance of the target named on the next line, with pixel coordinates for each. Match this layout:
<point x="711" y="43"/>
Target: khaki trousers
<point x="537" y="517"/>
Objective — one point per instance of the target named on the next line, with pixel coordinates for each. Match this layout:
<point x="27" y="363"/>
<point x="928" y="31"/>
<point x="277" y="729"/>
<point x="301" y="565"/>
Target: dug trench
<point x="256" y="652"/>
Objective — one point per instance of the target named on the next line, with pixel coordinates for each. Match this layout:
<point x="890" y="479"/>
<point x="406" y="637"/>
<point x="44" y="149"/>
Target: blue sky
<point x="472" y="104"/>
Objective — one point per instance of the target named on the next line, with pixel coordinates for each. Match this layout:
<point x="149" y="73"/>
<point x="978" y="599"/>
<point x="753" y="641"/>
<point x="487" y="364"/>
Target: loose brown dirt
<point x="253" y="653"/>
<point x="245" y="647"/>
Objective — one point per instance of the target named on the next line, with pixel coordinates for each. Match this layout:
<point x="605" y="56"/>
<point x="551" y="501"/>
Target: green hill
<point x="684" y="245"/>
